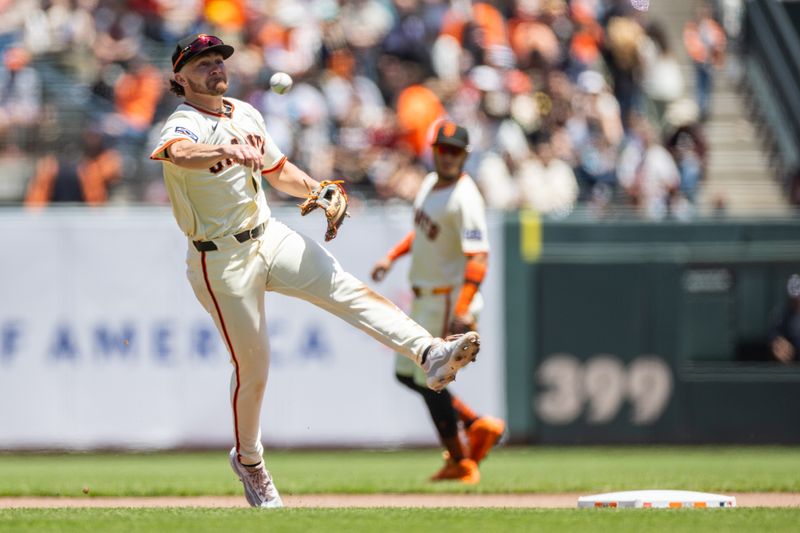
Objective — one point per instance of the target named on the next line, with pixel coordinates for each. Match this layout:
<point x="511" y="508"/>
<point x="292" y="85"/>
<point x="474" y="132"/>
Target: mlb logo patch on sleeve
<point x="473" y="234"/>
<point x="180" y="129"/>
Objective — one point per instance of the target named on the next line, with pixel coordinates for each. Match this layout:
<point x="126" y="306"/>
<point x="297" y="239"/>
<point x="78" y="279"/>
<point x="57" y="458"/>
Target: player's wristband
<point x="465" y="296"/>
<point x="474" y="272"/>
<point x="402" y="248"/>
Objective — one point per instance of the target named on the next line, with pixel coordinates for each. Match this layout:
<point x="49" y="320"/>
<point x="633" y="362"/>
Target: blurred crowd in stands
<point x="568" y="103"/>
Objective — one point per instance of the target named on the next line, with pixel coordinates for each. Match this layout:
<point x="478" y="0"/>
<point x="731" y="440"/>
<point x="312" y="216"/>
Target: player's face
<point x="449" y="161"/>
<point x="206" y="75"/>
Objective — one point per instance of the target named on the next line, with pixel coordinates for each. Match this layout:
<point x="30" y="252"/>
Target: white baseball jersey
<point x="230" y="279"/>
<point x="225" y="198"/>
<point x="449" y="223"/>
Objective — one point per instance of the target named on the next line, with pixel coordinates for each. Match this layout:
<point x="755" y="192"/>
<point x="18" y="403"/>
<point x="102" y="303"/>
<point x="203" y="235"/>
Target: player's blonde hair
<point x="176" y="88"/>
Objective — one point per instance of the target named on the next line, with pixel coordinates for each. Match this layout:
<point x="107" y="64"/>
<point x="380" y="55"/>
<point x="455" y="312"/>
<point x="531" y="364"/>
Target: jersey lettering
<point x="256" y="141"/>
<point x="426" y="225"/>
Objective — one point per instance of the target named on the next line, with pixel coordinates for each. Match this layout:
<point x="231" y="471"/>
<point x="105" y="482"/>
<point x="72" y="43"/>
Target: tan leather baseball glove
<point x="332" y="198"/>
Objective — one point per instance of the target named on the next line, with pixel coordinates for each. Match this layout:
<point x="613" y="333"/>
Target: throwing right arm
<point x="187" y="154"/>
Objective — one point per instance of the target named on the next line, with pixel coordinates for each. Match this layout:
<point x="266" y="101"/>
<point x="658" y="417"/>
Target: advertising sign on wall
<point x="103" y="344"/>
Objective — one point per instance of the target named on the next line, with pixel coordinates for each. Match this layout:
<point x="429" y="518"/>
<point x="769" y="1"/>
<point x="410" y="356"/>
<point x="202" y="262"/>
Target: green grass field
<point x="510" y="470"/>
<point x="507" y="470"/>
<point x="398" y="520"/>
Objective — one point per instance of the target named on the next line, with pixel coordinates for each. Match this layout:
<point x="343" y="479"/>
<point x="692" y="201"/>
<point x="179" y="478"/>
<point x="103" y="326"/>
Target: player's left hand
<point x="462" y="324"/>
<point x="330" y="196"/>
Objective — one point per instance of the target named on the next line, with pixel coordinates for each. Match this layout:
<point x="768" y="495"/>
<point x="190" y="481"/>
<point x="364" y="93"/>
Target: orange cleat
<point x="483" y="434"/>
<point x="466" y="471"/>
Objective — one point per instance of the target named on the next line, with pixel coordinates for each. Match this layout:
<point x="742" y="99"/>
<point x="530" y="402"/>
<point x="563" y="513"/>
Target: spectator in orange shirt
<point x="417" y="109"/>
<point x="63" y="178"/>
<point x="228" y="15"/>
<point x="705" y="43"/>
<point x="136" y="94"/>
<point x="482" y="30"/>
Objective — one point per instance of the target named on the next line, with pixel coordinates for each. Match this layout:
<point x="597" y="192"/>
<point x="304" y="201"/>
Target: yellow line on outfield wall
<point x="530" y="236"/>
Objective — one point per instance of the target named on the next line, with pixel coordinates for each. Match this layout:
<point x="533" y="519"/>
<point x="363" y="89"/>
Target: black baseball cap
<point x="193" y="45"/>
<point x="452" y="135"/>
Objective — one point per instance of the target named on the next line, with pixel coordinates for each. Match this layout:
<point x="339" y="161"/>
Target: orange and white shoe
<point x="466" y="471"/>
<point x="482" y="435"/>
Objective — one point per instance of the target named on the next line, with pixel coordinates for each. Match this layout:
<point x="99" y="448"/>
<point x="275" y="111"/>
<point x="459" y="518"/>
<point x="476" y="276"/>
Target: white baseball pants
<point x="433" y="312"/>
<point x="230" y="283"/>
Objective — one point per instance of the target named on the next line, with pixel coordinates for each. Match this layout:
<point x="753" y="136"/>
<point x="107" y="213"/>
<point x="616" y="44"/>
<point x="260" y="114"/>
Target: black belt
<point x="433" y="291"/>
<point x="244" y="236"/>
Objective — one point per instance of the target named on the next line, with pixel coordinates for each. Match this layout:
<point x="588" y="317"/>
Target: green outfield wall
<point x="638" y="332"/>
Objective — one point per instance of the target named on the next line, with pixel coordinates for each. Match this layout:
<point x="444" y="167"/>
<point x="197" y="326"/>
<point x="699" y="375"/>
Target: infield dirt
<point x="544" y="501"/>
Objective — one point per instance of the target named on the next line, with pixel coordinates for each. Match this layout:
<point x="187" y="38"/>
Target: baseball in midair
<point x="280" y="82"/>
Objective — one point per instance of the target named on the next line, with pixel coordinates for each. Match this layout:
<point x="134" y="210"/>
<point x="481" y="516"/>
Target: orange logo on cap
<point x="448" y="129"/>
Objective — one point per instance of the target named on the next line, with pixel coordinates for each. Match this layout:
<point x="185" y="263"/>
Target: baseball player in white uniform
<point x="449" y="256"/>
<point x="215" y="152"/>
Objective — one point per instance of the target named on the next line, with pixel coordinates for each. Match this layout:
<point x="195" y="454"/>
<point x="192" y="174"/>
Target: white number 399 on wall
<point x="599" y="386"/>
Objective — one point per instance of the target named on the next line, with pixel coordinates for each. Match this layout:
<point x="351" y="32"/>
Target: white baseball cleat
<point x="259" y="490"/>
<point x="447" y="356"/>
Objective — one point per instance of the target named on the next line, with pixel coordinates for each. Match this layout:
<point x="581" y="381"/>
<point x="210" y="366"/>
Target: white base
<point x="657" y="499"/>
